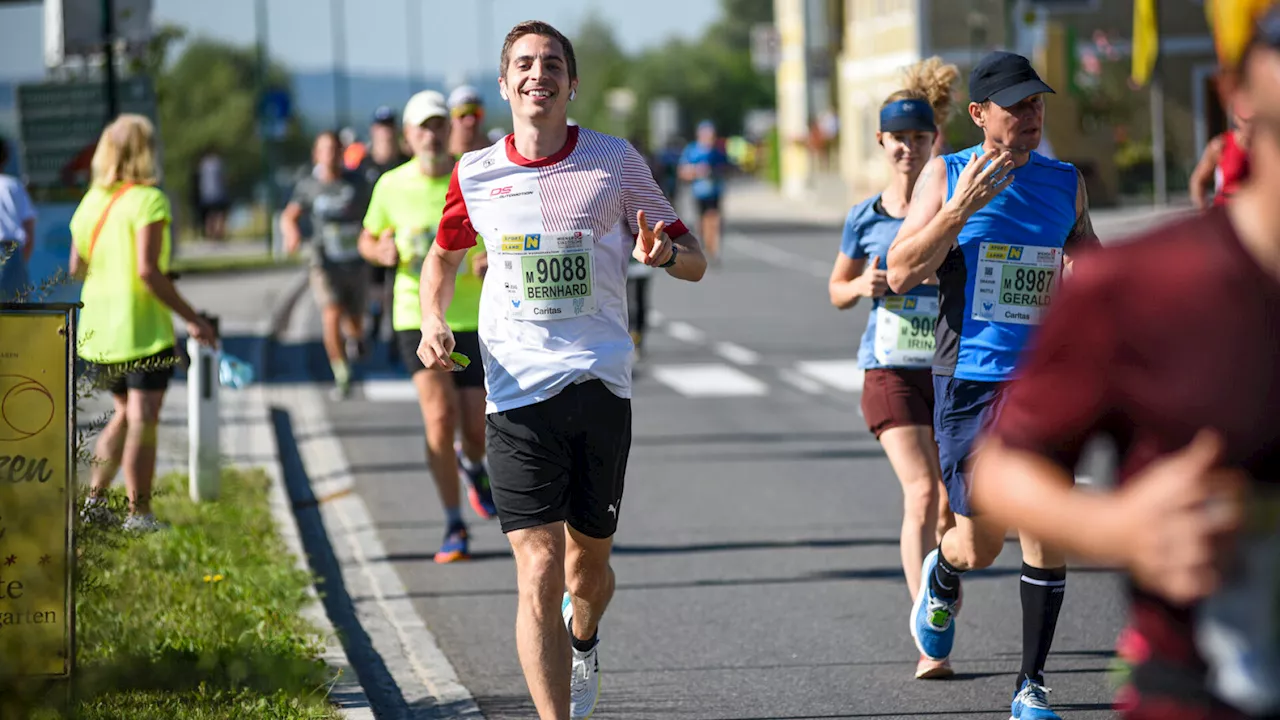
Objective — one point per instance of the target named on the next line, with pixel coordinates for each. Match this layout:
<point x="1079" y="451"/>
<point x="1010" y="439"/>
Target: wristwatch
<point x="675" y="250"/>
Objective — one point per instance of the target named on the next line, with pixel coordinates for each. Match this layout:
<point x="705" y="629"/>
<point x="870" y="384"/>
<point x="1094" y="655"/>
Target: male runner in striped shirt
<point x="560" y="209"/>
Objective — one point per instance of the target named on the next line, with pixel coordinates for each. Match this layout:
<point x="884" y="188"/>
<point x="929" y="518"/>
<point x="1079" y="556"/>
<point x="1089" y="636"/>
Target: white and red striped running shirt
<point x="559" y="232"/>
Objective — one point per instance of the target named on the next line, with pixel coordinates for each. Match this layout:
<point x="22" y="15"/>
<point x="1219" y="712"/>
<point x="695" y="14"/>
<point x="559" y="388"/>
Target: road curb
<point x="401" y="667"/>
<point x="346" y="693"/>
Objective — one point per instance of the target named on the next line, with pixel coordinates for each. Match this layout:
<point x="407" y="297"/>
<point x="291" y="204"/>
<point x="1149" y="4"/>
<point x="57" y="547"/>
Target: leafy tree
<point x="207" y="99"/>
<point x="710" y="78"/>
<point x="602" y="66"/>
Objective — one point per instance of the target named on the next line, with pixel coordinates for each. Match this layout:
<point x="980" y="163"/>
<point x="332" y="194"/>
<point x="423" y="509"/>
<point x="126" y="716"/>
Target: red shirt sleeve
<point x="456" y="231"/>
<point x="641" y="192"/>
<point x="1062" y="395"/>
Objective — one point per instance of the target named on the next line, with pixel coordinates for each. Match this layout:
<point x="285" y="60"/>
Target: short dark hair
<point x="4" y="152"/>
<point x="537" y="27"/>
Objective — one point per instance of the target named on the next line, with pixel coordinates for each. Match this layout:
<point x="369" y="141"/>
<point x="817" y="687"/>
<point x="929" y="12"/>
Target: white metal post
<point x="204" y="439"/>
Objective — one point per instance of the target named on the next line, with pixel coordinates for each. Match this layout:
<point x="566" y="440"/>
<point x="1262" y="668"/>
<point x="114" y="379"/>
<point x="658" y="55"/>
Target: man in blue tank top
<point x="996" y="223"/>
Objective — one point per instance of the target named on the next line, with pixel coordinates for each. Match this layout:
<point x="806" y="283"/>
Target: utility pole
<point x="413" y="44"/>
<point x="341" y="111"/>
<point x="1159" y="171"/>
<point x="109" y="59"/>
<point x="268" y="143"/>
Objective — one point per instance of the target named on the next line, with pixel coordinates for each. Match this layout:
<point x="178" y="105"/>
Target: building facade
<point x="1080" y="47"/>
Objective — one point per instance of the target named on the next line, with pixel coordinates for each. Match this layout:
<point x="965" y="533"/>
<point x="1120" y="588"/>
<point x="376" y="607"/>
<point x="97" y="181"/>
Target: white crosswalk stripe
<point x="709" y="380"/>
<point x="737" y="354"/>
<point x="839" y="374"/>
<point x="389" y="390"/>
<point x="684" y="331"/>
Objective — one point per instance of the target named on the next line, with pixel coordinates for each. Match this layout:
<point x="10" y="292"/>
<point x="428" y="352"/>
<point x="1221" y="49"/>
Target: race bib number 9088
<point x="553" y="278"/>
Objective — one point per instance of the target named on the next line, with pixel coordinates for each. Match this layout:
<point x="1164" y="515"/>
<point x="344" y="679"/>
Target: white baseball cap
<point x="423" y="106"/>
<point x="464" y="95"/>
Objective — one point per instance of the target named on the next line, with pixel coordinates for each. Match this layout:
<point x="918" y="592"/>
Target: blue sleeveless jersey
<point x="993" y="285"/>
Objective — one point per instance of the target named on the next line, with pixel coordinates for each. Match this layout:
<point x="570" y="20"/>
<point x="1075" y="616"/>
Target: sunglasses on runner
<point x="462" y="111"/>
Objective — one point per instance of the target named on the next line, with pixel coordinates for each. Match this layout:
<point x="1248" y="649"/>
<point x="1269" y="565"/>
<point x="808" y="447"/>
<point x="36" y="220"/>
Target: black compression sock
<point x="1042" y="593"/>
<point x="584" y="645"/>
<point x="944" y="581"/>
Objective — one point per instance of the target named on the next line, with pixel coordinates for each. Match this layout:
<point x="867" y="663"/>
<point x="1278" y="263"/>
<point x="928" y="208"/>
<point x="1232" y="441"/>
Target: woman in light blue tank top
<point x="896" y="350"/>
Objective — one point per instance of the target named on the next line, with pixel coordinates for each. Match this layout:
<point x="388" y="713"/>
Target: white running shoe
<point x="584" y="684"/>
<point x="142" y="524"/>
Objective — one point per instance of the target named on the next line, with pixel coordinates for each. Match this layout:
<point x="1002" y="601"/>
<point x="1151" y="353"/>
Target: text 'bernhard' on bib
<point x="548" y="276"/>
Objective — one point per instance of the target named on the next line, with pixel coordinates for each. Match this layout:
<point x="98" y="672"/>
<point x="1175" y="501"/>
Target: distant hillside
<point x="313" y="93"/>
<point x="313" y="97"/>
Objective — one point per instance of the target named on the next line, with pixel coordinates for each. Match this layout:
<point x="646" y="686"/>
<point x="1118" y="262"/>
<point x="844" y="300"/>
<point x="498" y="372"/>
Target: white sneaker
<point x="95" y="511"/>
<point x="142" y="524"/>
<point x="584" y="683"/>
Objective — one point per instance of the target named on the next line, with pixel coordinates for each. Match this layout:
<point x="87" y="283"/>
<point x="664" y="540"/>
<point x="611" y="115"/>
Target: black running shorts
<point x="561" y="459"/>
<point x="467" y="343"/>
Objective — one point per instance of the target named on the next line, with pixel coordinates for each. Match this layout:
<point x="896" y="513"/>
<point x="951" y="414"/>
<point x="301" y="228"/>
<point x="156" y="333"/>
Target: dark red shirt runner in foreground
<point x="1147" y="343"/>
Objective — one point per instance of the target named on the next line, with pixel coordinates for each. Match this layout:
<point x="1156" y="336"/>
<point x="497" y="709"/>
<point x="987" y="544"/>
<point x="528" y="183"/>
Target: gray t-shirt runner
<point x="337" y="211"/>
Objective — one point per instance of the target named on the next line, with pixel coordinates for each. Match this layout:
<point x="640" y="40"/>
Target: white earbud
<point x="503" y="93"/>
<point x="573" y="94"/>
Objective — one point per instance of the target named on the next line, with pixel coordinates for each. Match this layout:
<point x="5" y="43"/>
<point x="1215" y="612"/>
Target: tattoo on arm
<point x="923" y="180"/>
<point x="1082" y="233"/>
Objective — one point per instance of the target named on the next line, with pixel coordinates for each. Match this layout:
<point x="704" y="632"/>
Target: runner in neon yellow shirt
<point x="399" y="228"/>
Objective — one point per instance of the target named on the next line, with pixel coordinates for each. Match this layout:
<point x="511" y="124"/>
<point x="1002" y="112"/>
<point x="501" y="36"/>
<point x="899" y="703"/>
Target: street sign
<point x="274" y="113"/>
<point x="37" y="458"/>
<point x="766" y="47"/>
<point x="74" y="27"/>
<point x="60" y="123"/>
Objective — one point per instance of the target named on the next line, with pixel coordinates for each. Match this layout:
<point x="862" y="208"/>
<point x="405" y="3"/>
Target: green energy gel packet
<point x="460" y="361"/>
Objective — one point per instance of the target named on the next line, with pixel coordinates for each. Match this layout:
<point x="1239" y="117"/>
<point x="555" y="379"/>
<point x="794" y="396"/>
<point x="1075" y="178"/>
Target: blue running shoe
<point x="478" y="490"/>
<point x="456" y="546"/>
<point x="932" y="618"/>
<point x="1031" y="704"/>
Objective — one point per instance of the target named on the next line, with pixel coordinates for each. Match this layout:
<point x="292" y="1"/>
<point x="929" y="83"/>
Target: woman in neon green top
<point x="120" y="249"/>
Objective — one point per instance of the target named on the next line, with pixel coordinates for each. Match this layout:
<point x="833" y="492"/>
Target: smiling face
<point x="1017" y="127"/>
<point x="536" y="79"/>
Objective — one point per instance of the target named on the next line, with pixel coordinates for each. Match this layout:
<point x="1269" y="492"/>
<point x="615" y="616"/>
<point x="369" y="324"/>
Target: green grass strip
<point x="199" y="621"/>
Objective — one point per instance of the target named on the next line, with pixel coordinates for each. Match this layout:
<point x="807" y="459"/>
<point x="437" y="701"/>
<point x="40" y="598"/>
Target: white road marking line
<point x="709" y="380"/>
<point x="737" y="354"/>
<point x="397" y="631"/>
<point x="840" y="374"/>
<point x="389" y="390"/>
<point x="778" y="257"/>
<point x="800" y="382"/>
<point x="686" y="332"/>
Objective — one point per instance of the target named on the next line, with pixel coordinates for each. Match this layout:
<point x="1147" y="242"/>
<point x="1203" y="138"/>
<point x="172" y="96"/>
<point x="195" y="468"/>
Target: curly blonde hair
<point x="930" y="80"/>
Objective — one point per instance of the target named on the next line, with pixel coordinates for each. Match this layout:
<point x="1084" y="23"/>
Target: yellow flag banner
<point x="1232" y="22"/>
<point x="36" y="494"/>
<point x="1146" y="41"/>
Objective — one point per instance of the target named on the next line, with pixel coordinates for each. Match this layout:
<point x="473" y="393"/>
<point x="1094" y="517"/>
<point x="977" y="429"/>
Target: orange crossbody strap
<point x="97" y="229"/>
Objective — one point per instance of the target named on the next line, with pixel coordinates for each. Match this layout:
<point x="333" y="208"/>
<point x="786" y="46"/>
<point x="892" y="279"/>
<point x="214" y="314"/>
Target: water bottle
<point x="234" y="372"/>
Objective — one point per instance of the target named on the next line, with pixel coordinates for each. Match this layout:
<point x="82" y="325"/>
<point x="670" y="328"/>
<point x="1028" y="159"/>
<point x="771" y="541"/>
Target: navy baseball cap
<point x="902" y="115"/>
<point x="1005" y="79"/>
<point x="1269" y="28"/>
<point x="384" y="116"/>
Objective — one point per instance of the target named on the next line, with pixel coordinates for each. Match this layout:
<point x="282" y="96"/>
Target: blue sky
<point x="377" y="35"/>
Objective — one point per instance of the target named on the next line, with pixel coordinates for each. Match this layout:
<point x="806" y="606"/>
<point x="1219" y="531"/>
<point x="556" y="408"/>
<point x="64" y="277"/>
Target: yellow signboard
<point x="36" y="492"/>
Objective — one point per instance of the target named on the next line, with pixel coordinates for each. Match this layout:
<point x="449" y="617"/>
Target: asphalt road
<point x="757" y="559"/>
